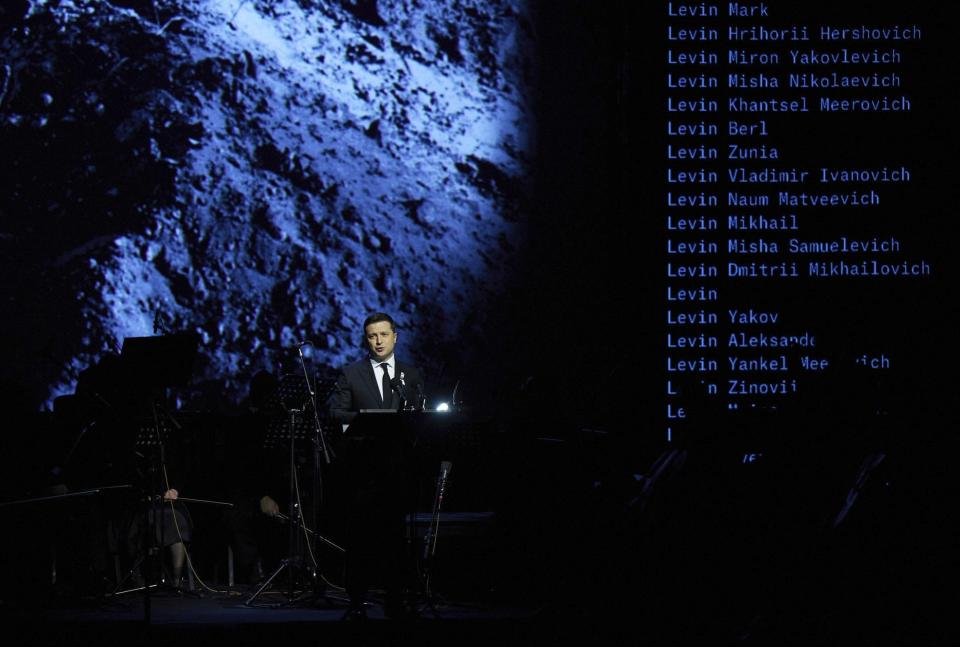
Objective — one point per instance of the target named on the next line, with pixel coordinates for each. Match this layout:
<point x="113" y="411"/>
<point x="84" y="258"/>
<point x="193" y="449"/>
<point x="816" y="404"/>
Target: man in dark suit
<point x="361" y="384"/>
<point x="376" y="467"/>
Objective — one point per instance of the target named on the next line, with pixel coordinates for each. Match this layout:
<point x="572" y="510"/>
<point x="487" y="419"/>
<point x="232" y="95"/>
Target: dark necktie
<point x="387" y="392"/>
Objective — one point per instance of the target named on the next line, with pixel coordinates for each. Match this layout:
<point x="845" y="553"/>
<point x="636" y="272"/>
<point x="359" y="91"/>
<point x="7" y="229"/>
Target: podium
<point x="408" y="447"/>
<point x="392" y="460"/>
<point x="377" y="452"/>
<point x="412" y="442"/>
<point x="422" y="429"/>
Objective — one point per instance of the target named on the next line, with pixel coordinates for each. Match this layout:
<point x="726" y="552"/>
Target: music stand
<point x="278" y="431"/>
<point x="294" y="394"/>
<point x="157" y="362"/>
<point x="151" y="364"/>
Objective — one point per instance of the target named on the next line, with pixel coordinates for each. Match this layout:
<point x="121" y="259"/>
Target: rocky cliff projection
<point x="261" y="172"/>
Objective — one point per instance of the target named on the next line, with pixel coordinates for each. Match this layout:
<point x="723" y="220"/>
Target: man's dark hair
<point x="376" y="317"/>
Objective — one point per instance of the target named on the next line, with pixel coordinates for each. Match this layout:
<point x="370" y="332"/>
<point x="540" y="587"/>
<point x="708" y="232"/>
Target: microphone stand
<point x="430" y="537"/>
<point x="320" y="442"/>
<point x="295" y="559"/>
<point x="319" y="448"/>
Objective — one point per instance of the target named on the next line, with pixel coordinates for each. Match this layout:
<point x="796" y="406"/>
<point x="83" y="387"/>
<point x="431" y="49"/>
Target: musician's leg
<point x="178" y="558"/>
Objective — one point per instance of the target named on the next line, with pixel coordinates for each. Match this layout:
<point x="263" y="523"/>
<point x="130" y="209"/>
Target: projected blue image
<point x="261" y="173"/>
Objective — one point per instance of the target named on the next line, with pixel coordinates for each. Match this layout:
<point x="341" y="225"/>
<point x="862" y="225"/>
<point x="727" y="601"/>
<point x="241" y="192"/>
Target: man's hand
<point x="170" y="495"/>
<point x="269" y="507"/>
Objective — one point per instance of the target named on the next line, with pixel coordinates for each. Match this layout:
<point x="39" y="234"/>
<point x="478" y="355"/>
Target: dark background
<point x="541" y="292"/>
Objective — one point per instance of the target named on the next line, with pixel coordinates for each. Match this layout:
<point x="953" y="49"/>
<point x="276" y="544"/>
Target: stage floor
<point x="230" y="617"/>
<point x="271" y="621"/>
<point x="233" y="608"/>
<point x="572" y="615"/>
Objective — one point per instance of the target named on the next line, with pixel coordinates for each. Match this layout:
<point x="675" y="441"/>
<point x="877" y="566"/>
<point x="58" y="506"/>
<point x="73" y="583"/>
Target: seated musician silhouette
<point x="253" y="478"/>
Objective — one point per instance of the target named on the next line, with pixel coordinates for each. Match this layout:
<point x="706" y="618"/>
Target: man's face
<point x="380" y="339"/>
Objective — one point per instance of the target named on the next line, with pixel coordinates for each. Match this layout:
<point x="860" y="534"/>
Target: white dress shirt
<point x="391" y="371"/>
